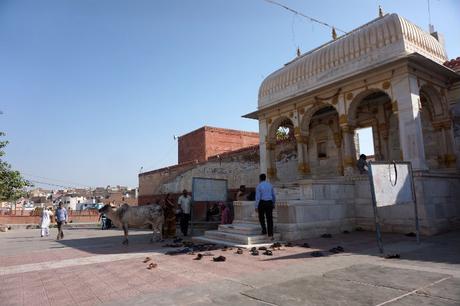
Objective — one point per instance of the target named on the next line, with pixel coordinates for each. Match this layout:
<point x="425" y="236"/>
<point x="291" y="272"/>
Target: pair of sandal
<point x="337" y="250"/>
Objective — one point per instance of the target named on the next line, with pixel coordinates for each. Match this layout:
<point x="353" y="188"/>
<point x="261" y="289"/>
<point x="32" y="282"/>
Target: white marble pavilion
<point x="388" y="75"/>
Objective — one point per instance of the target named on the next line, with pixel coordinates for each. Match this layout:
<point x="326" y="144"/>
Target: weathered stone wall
<point x="238" y="167"/>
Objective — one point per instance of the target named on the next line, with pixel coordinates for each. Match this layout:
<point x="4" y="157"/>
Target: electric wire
<point x="305" y="16"/>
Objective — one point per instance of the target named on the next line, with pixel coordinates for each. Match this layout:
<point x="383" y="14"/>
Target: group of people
<point x="61" y="218"/>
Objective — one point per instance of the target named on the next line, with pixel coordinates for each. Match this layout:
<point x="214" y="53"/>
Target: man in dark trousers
<point x="265" y="202"/>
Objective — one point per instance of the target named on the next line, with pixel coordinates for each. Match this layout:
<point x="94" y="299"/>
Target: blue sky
<point x="92" y="90"/>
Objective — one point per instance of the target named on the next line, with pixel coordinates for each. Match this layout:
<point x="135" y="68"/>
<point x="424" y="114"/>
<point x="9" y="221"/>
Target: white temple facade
<point x="387" y="75"/>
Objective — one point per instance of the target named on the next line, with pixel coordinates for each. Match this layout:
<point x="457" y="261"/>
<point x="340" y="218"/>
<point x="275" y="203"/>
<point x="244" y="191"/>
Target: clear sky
<point x="93" y="90"/>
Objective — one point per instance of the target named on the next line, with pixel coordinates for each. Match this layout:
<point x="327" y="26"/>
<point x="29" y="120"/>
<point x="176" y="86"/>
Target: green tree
<point x="12" y="185"/>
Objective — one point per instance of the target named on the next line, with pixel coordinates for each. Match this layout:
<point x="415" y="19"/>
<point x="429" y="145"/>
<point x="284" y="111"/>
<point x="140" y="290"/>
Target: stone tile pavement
<point x="91" y="267"/>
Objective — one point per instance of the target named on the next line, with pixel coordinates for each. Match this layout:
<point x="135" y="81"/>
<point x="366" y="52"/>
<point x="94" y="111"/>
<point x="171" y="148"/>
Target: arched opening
<point x="324" y="142"/>
<point x="285" y="150"/>
<point x="376" y="126"/>
<point x="436" y="139"/>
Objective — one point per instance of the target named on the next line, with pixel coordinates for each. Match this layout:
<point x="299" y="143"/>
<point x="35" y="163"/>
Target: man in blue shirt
<point x="61" y="217"/>
<point x="265" y="202"/>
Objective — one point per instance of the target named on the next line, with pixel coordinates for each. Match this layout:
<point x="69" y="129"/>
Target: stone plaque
<point x="209" y="190"/>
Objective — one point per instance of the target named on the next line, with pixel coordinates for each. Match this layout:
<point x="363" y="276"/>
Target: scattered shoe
<point x="393" y="256"/>
<point x="253" y="249"/>
<point x="254" y="253"/>
<point x="147" y="259"/>
<point x="289" y="245"/>
<point x="275" y="245"/>
<point x="411" y="234"/>
<point x="359" y="229"/>
<point x="239" y="251"/>
<point x="326" y="236"/>
<point x="268" y="253"/>
<point x="219" y="258"/>
<point x="305" y="245"/>
<point x="262" y="248"/>
<point x="198" y="257"/>
<point x="337" y="250"/>
<point x="317" y="254"/>
<point x="346" y="232"/>
<point x="152" y="266"/>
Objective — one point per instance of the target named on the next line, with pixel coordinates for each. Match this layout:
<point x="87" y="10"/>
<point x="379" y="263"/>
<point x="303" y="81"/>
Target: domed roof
<point x="379" y="41"/>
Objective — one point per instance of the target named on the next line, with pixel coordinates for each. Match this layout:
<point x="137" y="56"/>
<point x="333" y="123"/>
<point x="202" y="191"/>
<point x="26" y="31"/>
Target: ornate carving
<point x="335" y="95"/>
<point x="343" y="119"/>
<point x="348" y="129"/>
<point x="335" y="100"/>
<point x="450" y="160"/>
<point x="349" y="161"/>
<point x="301" y="110"/>
<point x="386" y="85"/>
<point x="338" y="139"/>
<point x="394" y="106"/>
<point x="271" y="172"/>
<point x="349" y="96"/>
<point x="270" y="146"/>
<point x="291" y="114"/>
<point x="303" y="168"/>
<point x="269" y="120"/>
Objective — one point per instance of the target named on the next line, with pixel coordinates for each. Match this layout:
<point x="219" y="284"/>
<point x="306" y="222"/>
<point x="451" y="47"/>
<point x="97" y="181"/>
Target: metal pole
<point x="417" y="227"/>
<point x="376" y="218"/>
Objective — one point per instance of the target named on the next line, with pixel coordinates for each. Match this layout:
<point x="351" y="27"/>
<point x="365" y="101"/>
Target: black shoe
<point x="239" y="251"/>
<point x="268" y="253"/>
<point x="263" y="233"/>
<point x="255" y="253"/>
<point x="305" y="245"/>
<point x="326" y="236"/>
<point x="262" y="248"/>
<point x="317" y="254"/>
<point x="219" y="258"/>
<point x="198" y="257"/>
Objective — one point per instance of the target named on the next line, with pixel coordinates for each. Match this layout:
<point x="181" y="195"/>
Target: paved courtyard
<point x="91" y="267"/>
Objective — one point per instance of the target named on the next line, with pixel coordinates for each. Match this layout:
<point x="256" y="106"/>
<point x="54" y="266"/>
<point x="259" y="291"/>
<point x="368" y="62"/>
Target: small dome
<point x="382" y="40"/>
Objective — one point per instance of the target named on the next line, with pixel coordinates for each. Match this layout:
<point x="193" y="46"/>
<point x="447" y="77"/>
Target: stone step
<point x="241" y="239"/>
<point x="234" y="244"/>
<point x="241" y="228"/>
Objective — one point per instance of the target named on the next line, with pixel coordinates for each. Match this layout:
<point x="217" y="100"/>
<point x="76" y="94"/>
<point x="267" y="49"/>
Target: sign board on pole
<point x="392" y="183"/>
<point x="208" y="190"/>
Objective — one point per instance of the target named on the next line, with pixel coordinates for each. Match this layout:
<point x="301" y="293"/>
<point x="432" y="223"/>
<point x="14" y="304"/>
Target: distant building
<point x="206" y="152"/>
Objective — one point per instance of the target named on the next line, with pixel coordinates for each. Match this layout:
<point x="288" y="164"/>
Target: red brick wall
<point x="192" y="146"/>
<point x="208" y="141"/>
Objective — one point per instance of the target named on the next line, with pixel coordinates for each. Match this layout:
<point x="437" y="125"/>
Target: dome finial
<point x="380" y="11"/>
<point x="334" y="34"/>
<point x="298" y="52"/>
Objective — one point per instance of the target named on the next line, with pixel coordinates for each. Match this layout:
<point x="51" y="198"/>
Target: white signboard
<point x="392" y="183"/>
<point x="209" y="190"/>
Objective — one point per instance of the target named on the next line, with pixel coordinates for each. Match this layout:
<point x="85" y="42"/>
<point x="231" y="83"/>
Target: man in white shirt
<point x="184" y="202"/>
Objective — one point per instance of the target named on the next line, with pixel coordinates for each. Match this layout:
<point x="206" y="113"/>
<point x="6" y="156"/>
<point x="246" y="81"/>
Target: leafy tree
<point x="12" y="185"/>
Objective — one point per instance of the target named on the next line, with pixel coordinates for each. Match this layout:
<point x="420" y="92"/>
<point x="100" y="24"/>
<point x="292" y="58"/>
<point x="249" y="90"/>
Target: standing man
<point x="61" y="217"/>
<point x="265" y="202"/>
<point x="45" y="221"/>
<point x="184" y="202"/>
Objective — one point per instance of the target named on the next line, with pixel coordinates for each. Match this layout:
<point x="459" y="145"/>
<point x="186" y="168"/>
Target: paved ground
<point x="91" y="267"/>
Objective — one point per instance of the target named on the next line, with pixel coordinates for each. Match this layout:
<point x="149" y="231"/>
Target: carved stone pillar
<point x="349" y="152"/>
<point x="302" y="154"/>
<point x="406" y="93"/>
<point x="338" y="144"/>
<point x="444" y="129"/>
<point x="271" y="160"/>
